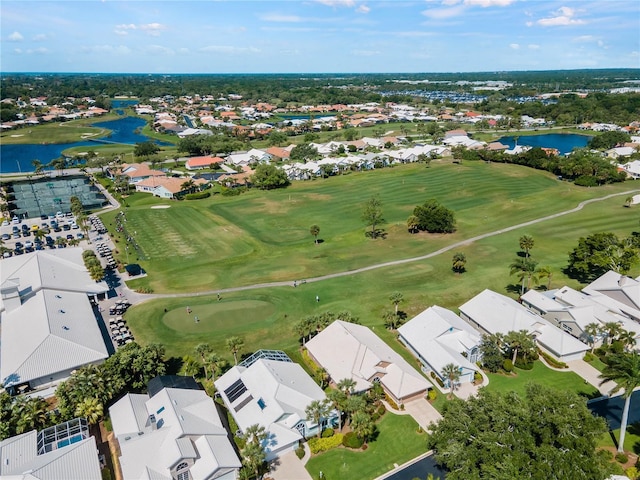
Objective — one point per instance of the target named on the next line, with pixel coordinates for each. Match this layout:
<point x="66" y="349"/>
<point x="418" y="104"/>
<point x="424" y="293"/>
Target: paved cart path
<point x="138" y="298"/>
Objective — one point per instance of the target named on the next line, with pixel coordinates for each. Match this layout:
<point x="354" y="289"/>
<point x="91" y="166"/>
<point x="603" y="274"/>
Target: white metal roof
<point x="183" y="419"/>
<point x="50" y="332"/>
<point x="78" y="461"/>
<point x="347" y="350"/>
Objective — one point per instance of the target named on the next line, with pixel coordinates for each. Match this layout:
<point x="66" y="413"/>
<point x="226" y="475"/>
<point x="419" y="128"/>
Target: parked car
<point x="28" y="244"/>
<point x="5" y="223"/>
<point x="70" y="237"/>
<point x="6" y="236"/>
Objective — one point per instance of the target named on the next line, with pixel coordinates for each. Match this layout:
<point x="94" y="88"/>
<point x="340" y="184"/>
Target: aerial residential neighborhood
<point x="223" y="256"/>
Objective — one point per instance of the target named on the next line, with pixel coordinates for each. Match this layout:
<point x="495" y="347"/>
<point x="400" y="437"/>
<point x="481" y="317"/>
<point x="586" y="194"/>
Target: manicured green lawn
<point x="397" y="442"/>
<point x="631" y="439"/>
<point x="544" y="376"/>
<point x="263" y="236"/>
<point x="58" y="132"/>
<point x="597" y="364"/>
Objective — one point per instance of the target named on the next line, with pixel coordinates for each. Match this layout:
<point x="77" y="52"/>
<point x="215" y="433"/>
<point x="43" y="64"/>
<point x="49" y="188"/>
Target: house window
<point x="182" y="466"/>
<point x="300" y="428"/>
<point x="261" y="404"/>
<point x="183" y="475"/>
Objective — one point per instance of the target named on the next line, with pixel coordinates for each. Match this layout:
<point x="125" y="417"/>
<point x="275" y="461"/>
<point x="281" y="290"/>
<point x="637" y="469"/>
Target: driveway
<point x="289" y="467"/>
<point x="422" y="412"/>
<point x="591" y="375"/>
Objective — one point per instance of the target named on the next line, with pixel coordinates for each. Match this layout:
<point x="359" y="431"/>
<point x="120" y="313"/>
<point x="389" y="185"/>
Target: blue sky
<point x="315" y="36"/>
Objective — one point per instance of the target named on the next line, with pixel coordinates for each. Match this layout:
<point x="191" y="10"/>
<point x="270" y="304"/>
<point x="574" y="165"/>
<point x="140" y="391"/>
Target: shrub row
<point x="317" y="445"/>
<point x="197" y="195"/>
<point x="552" y="361"/>
<point x="327" y="432"/>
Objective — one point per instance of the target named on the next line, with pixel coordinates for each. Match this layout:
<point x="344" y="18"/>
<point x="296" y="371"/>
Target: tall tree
<point x="315" y="231"/>
<point x="253" y="454"/>
<point x="372" y="214"/>
<point x="612" y="330"/>
<point x="526" y="244"/>
<point x="525" y="269"/>
<point x="545" y="272"/>
<point x="91" y="409"/>
<point x="214" y="361"/>
<point x="545" y="433"/>
<point x="451" y="373"/>
<point x="492" y="349"/>
<point x="592" y="330"/>
<point x="520" y="342"/>
<point x="396" y="298"/>
<point x="338" y="399"/>
<point x="362" y="425"/>
<point x="235" y="344"/>
<point x="204" y="349"/>
<point x="317" y="410"/>
<point x="624" y="370"/>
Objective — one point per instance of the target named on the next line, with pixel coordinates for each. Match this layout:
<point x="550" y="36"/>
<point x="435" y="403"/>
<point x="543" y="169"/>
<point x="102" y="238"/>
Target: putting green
<point x="213" y="317"/>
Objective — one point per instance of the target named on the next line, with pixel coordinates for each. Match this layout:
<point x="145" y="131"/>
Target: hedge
<point x="197" y="195"/>
<point x="317" y="445"/>
<point x="507" y="365"/>
<point x="327" y="433"/>
<point x="552" y="361"/>
<point x="300" y="452"/>
<point x="351" y="440"/>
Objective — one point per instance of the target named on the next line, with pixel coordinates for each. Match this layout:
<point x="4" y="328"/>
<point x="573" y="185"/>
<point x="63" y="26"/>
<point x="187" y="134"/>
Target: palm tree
<point x="235" y="344"/>
<point x="412" y="223"/>
<point x="338" y="399"/>
<point x="37" y="166"/>
<point x="624" y="370"/>
<point x="526" y="244"/>
<point x="214" y="361"/>
<point x="545" y="272"/>
<point x="362" y="425"/>
<point x="459" y="262"/>
<point x="347" y="385"/>
<point x="188" y="185"/>
<point x="315" y="231"/>
<point x="451" y="373"/>
<point x="525" y="269"/>
<point x="592" y="330"/>
<point x="396" y="298"/>
<point x="203" y="349"/>
<point x="628" y="339"/>
<point x="91" y="409"/>
<point x="253" y="453"/>
<point x="391" y="320"/>
<point x="520" y="340"/>
<point x="317" y="410"/>
<point x="190" y="366"/>
<point x="612" y="330"/>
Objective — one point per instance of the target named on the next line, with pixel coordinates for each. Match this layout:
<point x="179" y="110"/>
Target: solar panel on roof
<point x="235" y="390"/>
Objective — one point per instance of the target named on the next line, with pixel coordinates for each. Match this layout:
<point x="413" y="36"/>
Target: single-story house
<point x="438" y="337"/>
<point x="173" y="433"/>
<point x="49" y="327"/>
<point x="206" y="161"/>
<point x="623" y="289"/>
<point x="347" y="350"/>
<point x="168" y="187"/>
<point x="139" y="171"/>
<point x="492" y="312"/>
<point x="252" y="156"/>
<point x="62" y="451"/>
<point x="270" y="390"/>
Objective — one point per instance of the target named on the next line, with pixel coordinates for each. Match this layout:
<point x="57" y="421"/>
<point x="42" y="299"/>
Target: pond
<point x="126" y="130"/>
<point x="564" y="142"/>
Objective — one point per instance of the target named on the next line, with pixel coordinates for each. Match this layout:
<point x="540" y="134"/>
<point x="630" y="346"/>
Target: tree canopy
<point x="545" y="434"/>
<point x="268" y="177"/>
<point x="145" y="149"/>
<point x="600" y="252"/>
<point x="434" y="217"/>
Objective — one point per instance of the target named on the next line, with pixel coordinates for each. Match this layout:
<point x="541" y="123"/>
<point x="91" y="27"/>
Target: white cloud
<point x="533" y="46"/>
<point x="15" y="37"/>
<point x="17" y="50"/>
<point x="443" y="13"/>
<point x="563" y="16"/>
<point x="365" y="53"/>
<point x="106" y="49"/>
<point x="529" y="24"/>
<point x="338" y="3"/>
<point x="183" y="51"/>
<point x="276" y="17"/>
<point x="514" y="46"/>
<point x="228" y="49"/>
<point x="39" y="38"/>
<point x="489" y="3"/>
<point x="158" y="50"/>
<point x="584" y="39"/>
<point x="363" y="9"/>
<point x="413" y="33"/>
<point x="153" y="29"/>
<point x="38" y="51"/>
<point x="126" y="26"/>
<point x="449" y="3"/>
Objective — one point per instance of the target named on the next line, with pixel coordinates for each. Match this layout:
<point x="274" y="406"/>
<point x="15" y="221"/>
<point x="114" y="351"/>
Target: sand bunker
<point x="161" y="206"/>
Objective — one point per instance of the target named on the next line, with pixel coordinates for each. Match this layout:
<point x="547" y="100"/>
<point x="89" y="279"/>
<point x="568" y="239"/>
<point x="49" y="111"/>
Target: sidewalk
<point x="590" y="374"/>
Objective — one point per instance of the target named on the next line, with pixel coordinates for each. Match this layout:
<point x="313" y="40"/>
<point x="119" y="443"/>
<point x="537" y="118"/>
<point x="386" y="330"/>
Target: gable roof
<point x="347" y="350"/>
<point x="77" y="461"/>
<point x="204" y="161"/>
<point x="440" y="337"/>
<point x="276" y="396"/>
<point x="187" y="426"/>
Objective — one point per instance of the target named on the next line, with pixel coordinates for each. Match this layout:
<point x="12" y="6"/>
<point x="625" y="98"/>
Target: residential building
<point x="492" y="313"/>
<point x="64" y="451"/>
<point x="206" y="161"/>
<point x="438" y="337"/>
<point x="169" y="187"/>
<point x="269" y="390"/>
<point x="49" y="326"/>
<point x="347" y="350"/>
<point x="172" y="433"/>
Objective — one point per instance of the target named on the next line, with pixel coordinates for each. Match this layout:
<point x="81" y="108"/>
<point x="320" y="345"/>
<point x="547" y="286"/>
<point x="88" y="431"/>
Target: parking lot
<point x="20" y="236"/>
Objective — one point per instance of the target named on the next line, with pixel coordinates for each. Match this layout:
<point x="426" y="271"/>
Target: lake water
<point x="564" y="142"/>
<point x="18" y="158"/>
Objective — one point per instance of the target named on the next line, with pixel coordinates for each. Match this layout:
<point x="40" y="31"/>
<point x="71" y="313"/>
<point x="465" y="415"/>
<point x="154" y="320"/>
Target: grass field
<point x="264" y="236"/>
<point x="631" y="439"/>
<point x="544" y="376"/>
<point x="398" y="441"/>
